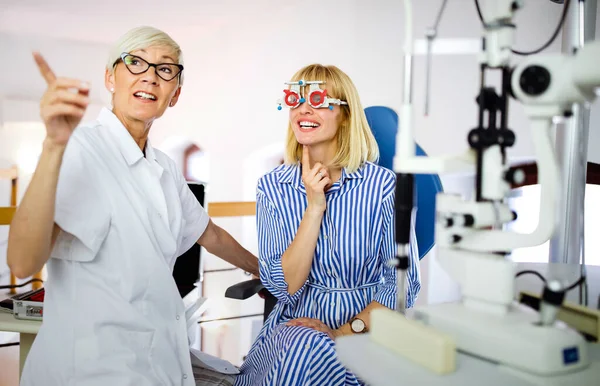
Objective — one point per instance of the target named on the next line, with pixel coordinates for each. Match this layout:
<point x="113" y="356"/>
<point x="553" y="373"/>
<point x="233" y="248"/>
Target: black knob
<point x="515" y="176"/>
<point x="534" y="80"/>
<point x="506" y="138"/>
<point x="469" y="220"/>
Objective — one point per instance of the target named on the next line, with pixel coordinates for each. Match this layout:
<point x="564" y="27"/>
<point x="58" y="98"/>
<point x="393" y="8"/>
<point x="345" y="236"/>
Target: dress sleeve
<point x="272" y="243"/>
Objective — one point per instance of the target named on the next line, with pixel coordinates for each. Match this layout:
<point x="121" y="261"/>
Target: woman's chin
<point x="311" y="141"/>
<point x="145" y="115"/>
<point x="307" y="140"/>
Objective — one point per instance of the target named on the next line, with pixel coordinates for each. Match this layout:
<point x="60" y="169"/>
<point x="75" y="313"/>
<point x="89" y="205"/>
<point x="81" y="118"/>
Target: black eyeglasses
<point x="137" y="65"/>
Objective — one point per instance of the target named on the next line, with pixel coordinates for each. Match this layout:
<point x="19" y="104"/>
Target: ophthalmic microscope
<point x="471" y="245"/>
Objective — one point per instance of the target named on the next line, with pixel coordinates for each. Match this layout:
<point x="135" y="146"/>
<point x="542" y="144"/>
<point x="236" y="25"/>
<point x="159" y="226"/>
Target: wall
<point x="235" y="73"/>
<point x="236" y="63"/>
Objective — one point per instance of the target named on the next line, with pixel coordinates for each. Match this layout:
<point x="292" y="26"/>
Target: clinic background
<point x="238" y="54"/>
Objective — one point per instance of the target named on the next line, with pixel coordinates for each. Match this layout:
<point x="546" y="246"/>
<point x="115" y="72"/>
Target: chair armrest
<point x="244" y="289"/>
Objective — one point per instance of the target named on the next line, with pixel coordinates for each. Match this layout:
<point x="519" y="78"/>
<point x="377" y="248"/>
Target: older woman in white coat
<point x="108" y="214"/>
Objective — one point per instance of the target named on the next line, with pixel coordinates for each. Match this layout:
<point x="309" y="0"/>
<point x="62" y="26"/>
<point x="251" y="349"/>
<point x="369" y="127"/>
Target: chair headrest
<point x="383" y="122"/>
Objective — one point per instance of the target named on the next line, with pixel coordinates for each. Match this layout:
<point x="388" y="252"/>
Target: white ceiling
<point x="105" y="20"/>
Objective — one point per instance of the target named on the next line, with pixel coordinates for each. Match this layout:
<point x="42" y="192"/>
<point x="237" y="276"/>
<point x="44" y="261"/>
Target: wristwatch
<point x="358" y="326"/>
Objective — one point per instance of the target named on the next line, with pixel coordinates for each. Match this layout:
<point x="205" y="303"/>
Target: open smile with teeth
<point x="144" y="95"/>
<point x="308" y="125"/>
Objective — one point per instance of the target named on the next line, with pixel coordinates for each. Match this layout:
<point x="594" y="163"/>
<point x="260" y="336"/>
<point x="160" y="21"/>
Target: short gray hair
<point x="140" y="38"/>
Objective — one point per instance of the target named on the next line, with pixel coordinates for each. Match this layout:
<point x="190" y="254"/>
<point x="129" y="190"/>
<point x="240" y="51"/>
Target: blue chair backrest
<point x="384" y="124"/>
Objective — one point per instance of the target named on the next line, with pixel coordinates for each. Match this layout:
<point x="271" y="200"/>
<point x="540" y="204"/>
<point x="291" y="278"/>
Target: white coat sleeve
<point x="195" y="218"/>
<point x="82" y="210"/>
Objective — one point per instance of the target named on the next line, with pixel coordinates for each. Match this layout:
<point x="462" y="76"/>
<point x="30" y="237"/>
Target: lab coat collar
<point x="151" y="157"/>
<point x="127" y="145"/>
<point x="150" y="154"/>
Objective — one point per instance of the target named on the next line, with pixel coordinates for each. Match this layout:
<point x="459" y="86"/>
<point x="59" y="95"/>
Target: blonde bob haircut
<point x="141" y="38"/>
<point x="355" y="141"/>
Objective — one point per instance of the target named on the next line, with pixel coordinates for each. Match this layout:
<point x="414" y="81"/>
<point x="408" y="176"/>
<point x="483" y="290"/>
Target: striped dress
<point x="347" y="273"/>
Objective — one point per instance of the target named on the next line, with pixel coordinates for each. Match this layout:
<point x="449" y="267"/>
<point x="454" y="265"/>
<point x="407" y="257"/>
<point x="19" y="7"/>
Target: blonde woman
<point x="109" y="214"/>
<point x="325" y="227"/>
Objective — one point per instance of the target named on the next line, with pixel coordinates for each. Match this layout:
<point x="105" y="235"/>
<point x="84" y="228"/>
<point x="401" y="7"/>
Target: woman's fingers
<point x="76" y="85"/>
<point x="300" y="321"/>
<point x="305" y="161"/>
<point x="319" y="175"/>
<point x="323" y="173"/>
<point x="313" y="173"/>
<point x="62" y="109"/>
<point x="323" y="184"/>
<point x="307" y="322"/>
<point x="54" y="82"/>
<point x="68" y="97"/>
<point x="44" y="68"/>
<point x="63" y="104"/>
<point x="315" y="324"/>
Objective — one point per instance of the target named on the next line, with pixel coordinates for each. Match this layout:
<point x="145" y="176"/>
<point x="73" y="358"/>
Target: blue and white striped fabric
<point x="348" y="272"/>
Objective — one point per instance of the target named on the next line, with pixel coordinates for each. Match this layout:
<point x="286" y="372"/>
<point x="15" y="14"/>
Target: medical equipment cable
<point x="9" y="344"/>
<point x="580" y="281"/>
<point x="21" y="285"/>
<point x="531" y="272"/>
<point x="552" y="298"/>
<point x="548" y="43"/>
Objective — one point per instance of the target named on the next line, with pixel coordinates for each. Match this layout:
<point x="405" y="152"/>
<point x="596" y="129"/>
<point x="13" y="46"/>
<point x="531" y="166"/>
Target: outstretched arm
<point x="33" y="231"/>
<point x="220" y="243"/>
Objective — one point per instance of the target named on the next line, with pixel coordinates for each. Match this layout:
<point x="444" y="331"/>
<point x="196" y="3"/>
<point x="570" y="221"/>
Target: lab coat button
<point x="177" y="317"/>
<point x="184" y="376"/>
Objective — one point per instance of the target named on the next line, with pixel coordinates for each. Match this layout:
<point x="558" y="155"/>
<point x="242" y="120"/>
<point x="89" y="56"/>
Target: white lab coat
<point x="112" y="313"/>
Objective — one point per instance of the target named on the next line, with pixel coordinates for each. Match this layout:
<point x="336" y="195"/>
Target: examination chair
<point x="384" y="124"/>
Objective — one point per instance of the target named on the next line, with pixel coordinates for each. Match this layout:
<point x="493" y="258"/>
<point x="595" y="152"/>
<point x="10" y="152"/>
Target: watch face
<point x="357" y="325"/>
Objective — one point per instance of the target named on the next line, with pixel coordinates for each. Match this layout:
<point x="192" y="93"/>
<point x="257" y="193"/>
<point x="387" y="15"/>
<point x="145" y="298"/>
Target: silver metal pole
<point x="572" y="151"/>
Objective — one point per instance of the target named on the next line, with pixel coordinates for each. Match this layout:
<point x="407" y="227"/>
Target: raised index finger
<point x="305" y="159"/>
<point x="44" y="68"/>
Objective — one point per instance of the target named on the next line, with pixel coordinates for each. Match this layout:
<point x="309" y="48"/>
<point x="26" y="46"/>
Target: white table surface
<point x="379" y="366"/>
<point x="11" y="324"/>
<point x="27" y="330"/>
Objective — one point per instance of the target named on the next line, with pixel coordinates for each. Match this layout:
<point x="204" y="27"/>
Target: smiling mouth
<point x="308" y="126"/>
<point x="145" y="96"/>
